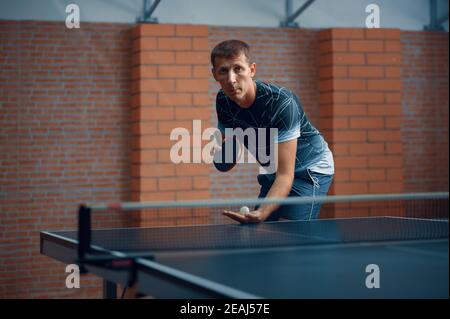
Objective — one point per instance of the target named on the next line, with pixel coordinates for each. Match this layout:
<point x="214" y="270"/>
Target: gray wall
<point x="403" y="14"/>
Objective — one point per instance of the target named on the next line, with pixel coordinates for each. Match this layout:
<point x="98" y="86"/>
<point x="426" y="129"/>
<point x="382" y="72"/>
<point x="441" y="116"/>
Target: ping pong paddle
<point x="221" y="162"/>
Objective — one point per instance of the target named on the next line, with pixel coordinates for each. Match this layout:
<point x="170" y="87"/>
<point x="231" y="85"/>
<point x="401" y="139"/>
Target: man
<point x="305" y="164"/>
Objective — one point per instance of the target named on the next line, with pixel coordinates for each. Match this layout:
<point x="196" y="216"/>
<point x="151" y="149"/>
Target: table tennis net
<point x="201" y="225"/>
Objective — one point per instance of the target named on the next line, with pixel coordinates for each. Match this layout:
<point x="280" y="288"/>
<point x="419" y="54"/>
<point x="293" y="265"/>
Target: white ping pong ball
<point x="244" y="210"/>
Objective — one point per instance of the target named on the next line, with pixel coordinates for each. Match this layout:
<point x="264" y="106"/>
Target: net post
<point x="84" y="234"/>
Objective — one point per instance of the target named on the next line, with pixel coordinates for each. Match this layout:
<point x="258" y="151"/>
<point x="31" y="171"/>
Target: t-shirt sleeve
<point x="286" y="118"/>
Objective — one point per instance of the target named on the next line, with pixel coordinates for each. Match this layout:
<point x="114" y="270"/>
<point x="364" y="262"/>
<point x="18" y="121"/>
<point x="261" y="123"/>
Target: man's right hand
<point x="219" y="159"/>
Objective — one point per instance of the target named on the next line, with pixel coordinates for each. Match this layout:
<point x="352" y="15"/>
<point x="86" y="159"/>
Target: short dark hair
<point x="230" y="49"/>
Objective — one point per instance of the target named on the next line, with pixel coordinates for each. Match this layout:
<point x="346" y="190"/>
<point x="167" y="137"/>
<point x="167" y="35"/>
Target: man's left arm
<point x="280" y="187"/>
<point x="284" y="176"/>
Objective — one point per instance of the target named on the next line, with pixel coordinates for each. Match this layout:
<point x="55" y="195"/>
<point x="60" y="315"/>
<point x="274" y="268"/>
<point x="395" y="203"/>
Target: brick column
<point x="360" y="109"/>
<point x="170" y="90"/>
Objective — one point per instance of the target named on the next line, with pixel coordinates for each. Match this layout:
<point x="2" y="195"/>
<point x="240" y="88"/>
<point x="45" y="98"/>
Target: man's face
<point x="235" y="76"/>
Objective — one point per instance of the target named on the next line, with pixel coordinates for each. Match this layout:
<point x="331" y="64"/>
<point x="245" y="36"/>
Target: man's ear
<point x="214" y="74"/>
<point x="253" y="69"/>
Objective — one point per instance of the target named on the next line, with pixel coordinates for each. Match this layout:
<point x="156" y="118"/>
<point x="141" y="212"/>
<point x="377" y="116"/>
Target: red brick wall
<point x="64" y="96"/>
<point x="283" y="56"/>
<point x="360" y="108"/>
<point x="425" y="110"/>
<point x="170" y="90"/>
<point x="360" y="95"/>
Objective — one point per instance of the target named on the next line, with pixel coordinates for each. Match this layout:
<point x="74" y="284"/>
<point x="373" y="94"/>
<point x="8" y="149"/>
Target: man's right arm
<point x="220" y="159"/>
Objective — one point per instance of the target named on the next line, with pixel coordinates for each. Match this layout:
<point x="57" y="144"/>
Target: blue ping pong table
<point x="325" y="258"/>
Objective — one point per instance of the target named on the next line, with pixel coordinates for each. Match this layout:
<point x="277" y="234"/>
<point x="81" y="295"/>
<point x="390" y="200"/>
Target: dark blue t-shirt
<point x="275" y="107"/>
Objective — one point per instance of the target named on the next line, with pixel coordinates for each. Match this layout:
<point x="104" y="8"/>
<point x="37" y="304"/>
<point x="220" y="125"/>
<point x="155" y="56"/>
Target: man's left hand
<point x="253" y="217"/>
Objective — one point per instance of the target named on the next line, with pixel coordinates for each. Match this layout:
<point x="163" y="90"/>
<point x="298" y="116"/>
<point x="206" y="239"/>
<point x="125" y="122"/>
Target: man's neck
<point x="250" y="98"/>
